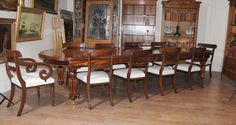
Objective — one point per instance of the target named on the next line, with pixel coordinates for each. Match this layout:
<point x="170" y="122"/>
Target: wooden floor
<point x="207" y="106"/>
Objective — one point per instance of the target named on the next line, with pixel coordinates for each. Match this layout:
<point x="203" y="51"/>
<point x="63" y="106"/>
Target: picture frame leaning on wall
<point x="10" y="5"/>
<point x="7" y="26"/>
<point x="30" y="24"/>
<point x="51" y="6"/>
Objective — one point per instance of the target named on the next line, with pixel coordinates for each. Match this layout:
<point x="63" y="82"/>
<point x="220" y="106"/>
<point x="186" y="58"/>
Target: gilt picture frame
<point x="10" y="5"/>
<point x="7" y="26"/>
<point x="51" y="6"/>
<point x="30" y="24"/>
<point x="68" y="18"/>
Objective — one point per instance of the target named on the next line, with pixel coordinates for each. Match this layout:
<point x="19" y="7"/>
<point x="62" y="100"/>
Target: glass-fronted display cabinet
<point x="229" y="66"/>
<point x="180" y="23"/>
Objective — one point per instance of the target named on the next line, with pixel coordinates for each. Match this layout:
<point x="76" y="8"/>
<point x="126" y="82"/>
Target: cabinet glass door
<point x="98" y="24"/>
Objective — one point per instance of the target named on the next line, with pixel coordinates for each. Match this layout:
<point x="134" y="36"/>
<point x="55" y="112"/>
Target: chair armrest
<point x="45" y="70"/>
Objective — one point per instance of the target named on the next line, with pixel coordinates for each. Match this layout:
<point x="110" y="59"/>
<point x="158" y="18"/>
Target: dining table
<point x="72" y="59"/>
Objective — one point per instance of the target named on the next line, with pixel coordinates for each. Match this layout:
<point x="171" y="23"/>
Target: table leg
<point x="73" y="86"/>
<point x="60" y="74"/>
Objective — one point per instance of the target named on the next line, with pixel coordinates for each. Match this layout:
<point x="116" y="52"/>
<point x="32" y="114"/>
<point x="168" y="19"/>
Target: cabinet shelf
<point x="182" y="19"/>
<point x="129" y="14"/>
<point x="130" y="24"/>
<point x="137" y="35"/>
<point x="179" y="36"/>
<point x="138" y="21"/>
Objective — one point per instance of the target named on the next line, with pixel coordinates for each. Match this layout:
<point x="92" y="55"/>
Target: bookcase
<point x="229" y="66"/>
<point x="138" y="21"/>
<point x="180" y="23"/>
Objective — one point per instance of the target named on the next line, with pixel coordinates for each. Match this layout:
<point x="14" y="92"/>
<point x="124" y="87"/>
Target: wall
<point x="212" y="29"/>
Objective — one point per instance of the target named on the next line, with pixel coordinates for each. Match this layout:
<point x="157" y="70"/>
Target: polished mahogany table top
<point x="70" y="56"/>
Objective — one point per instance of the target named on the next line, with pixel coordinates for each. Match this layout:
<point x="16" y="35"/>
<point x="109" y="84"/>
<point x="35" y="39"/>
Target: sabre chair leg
<point x="110" y="94"/>
<point x="129" y="90"/>
<point x="190" y="81"/>
<point x="161" y="85"/>
<point x="23" y="100"/>
<point x="146" y="87"/>
<point x="89" y="96"/>
<point x="38" y="92"/>
<point x="174" y="83"/>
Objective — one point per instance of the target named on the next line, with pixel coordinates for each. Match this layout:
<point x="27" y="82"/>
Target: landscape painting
<point x="30" y="23"/>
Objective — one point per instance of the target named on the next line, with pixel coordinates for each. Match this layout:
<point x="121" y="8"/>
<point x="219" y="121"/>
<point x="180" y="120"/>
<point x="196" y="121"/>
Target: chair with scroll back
<point x="26" y="73"/>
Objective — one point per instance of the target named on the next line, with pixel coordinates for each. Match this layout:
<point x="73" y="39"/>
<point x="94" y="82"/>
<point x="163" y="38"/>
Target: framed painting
<point x="10" y="5"/>
<point x="51" y="6"/>
<point x="67" y="16"/>
<point x="7" y="34"/>
<point x="30" y="24"/>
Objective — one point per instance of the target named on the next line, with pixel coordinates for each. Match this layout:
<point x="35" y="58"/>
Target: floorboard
<point x="201" y="106"/>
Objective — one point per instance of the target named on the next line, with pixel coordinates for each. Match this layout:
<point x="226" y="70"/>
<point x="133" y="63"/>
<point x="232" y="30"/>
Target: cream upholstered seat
<point x="135" y="73"/>
<point x="96" y="77"/>
<point x="118" y="66"/>
<point x="167" y="67"/>
<point x="197" y="55"/>
<point x="136" y="59"/>
<point x="156" y="70"/>
<point x="185" y="67"/>
<point x="27" y="73"/>
<point x="99" y="71"/>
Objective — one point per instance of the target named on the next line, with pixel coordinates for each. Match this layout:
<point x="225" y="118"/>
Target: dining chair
<point x="210" y="48"/>
<point x="197" y="55"/>
<point x="99" y="72"/>
<point x="155" y="48"/>
<point x="104" y="45"/>
<point x="109" y="45"/>
<point x="169" y="62"/>
<point x="26" y="73"/>
<point x="136" y="70"/>
<point x="157" y="45"/>
<point x="132" y="45"/>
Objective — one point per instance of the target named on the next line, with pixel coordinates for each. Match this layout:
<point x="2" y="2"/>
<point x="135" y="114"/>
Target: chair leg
<point x="79" y="89"/>
<point x="38" y="92"/>
<point x="110" y="94"/>
<point x="114" y="85"/>
<point x="12" y="95"/>
<point x="190" y="80"/>
<point x="88" y="96"/>
<point x="161" y="85"/>
<point x="174" y="83"/>
<point x="200" y="79"/>
<point x="210" y="66"/>
<point x="23" y="99"/>
<point x="128" y="90"/>
<point x="146" y="87"/>
<point x="52" y="88"/>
